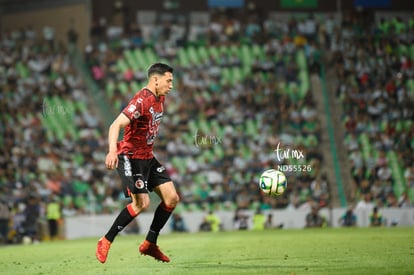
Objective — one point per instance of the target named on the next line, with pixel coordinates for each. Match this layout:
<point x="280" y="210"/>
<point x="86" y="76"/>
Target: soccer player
<point x="139" y="170"/>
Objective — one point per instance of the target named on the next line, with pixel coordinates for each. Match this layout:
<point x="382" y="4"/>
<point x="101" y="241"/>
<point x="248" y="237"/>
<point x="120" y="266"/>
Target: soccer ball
<point x="26" y="240"/>
<point x="273" y="182"/>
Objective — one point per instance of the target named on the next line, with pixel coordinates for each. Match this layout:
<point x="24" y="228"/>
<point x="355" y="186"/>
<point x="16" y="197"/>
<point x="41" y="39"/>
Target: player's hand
<point x="111" y="160"/>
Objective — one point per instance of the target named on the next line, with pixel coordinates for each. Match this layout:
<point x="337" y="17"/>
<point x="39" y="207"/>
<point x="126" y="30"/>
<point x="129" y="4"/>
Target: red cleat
<point x="151" y="249"/>
<point x="102" y="249"/>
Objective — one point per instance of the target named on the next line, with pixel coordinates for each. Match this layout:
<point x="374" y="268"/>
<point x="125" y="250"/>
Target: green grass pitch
<point x="296" y="251"/>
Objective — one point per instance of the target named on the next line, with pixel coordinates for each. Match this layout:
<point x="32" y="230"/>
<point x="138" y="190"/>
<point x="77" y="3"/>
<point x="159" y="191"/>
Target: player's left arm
<point x="119" y="123"/>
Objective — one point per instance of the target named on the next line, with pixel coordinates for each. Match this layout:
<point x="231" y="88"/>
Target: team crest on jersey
<point x="136" y="114"/>
<point x="139" y="184"/>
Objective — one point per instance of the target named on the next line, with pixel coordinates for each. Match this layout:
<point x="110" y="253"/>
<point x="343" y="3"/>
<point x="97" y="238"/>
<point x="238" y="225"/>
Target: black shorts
<point x="140" y="175"/>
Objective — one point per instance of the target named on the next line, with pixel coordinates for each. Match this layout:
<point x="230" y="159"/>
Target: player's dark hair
<point x="159" y="68"/>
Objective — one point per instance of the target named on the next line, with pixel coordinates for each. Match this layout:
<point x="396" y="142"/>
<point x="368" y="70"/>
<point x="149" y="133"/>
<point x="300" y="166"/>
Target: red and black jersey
<point x="145" y="111"/>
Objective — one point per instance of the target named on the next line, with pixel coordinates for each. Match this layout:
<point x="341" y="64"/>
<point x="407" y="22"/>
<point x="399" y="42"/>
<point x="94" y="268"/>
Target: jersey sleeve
<point x="134" y="109"/>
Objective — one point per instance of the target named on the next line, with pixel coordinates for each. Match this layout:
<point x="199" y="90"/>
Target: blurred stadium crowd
<point x="375" y="72"/>
<point x="242" y="88"/>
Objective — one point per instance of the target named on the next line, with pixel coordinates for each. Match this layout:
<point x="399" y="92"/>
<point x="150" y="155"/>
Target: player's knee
<point x="172" y="200"/>
<point x="144" y="205"/>
<point x="140" y="206"/>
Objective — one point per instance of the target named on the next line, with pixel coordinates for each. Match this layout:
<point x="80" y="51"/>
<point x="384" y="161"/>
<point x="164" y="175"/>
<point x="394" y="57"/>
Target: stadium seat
<point x="214" y="52"/>
<point x="130" y="60"/>
<point x="183" y="57"/>
<point x="202" y="52"/>
<point x="140" y="58"/>
<point x="22" y="70"/>
<point x="121" y="65"/>
<point x="193" y="55"/>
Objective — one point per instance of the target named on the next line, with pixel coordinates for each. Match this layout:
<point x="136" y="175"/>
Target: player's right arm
<point x="119" y="123"/>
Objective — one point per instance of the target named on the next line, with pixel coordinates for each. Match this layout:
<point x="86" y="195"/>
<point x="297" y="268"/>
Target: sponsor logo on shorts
<point x="127" y="167"/>
<point x="160" y="169"/>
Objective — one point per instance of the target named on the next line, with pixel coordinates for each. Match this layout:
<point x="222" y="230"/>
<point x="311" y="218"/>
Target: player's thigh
<point x="133" y="174"/>
<point x="160" y="182"/>
<point x="157" y="175"/>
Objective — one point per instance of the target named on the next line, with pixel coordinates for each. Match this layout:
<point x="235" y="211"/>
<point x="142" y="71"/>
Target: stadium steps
<point x="397" y="173"/>
<point x="365" y="146"/>
<point x="336" y="165"/>
<point x="411" y="194"/>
